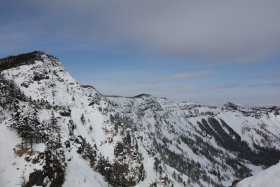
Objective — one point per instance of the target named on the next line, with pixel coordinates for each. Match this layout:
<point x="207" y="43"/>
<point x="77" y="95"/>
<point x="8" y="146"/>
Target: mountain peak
<point x="142" y="95"/>
<point x="230" y="105"/>
<point x="23" y="59"/>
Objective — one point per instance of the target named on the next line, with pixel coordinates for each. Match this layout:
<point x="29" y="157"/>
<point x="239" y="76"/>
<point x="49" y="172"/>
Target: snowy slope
<point x="79" y="137"/>
<point x="269" y="177"/>
<point x="8" y="141"/>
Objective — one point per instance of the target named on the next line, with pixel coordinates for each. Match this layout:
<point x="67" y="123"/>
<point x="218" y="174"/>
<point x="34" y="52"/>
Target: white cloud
<point x="217" y="30"/>
<point x="224" y="31"/>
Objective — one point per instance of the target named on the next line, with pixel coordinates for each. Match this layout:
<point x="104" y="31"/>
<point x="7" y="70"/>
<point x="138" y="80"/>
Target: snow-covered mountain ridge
<point x="55" y="132"/>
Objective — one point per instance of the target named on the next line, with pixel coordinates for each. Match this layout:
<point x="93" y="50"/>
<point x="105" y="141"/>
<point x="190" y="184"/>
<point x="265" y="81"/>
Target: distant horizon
<point x="207" y="52"/>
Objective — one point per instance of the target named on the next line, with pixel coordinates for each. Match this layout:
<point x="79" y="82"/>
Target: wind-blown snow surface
<point x="142" y="140"/>
<point x="269" y="177"/>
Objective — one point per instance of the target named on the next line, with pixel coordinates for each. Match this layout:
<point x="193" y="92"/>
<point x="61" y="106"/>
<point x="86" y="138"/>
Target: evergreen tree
<point x="83" y="120"/>
<point x="53" y="124"/>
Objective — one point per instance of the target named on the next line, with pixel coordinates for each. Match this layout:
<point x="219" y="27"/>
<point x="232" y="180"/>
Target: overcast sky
<point x="204" y="51"/>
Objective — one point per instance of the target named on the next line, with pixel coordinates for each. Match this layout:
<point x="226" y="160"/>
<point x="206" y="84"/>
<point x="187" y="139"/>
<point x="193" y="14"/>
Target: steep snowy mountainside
<point x="56" y="132"/>
<point x="269" y="177"/>
<point x="213" y="145"/>
<point x="43" y="98"/>
<point x="78" y="128"/>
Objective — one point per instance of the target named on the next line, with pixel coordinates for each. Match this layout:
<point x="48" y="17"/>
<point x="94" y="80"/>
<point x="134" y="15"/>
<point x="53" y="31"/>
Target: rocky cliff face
<point x="55" y="132"/>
